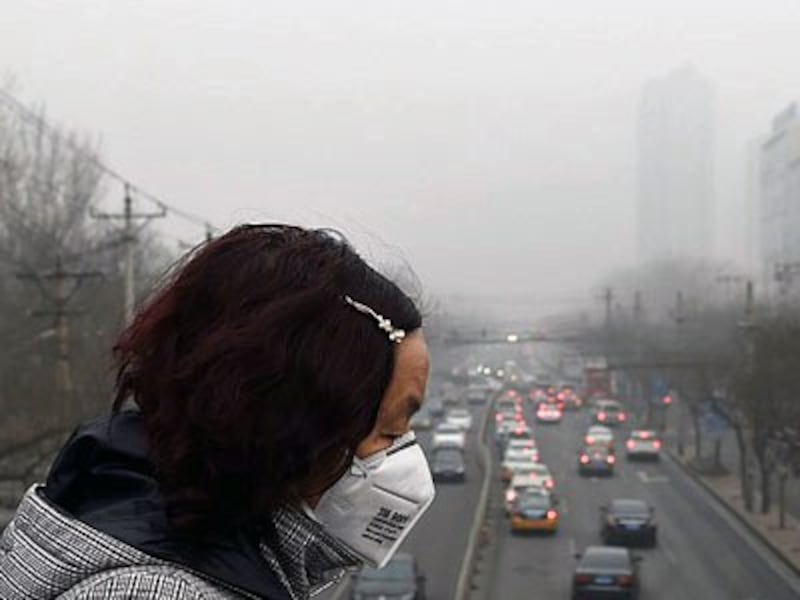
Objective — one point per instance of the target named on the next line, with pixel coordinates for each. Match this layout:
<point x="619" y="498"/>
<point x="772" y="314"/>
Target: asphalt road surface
<point x="699" y="555"/>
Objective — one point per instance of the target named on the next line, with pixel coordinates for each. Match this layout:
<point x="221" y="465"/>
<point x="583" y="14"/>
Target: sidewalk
<point x="726" y="488"/>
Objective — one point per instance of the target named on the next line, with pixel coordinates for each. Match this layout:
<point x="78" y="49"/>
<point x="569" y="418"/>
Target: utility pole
<point x="748" y="326"/>
<point x="129" y="239"/>
<point x="680" y="318"/>
<point x="65" y="284"/>
<point x="641" y="379"/>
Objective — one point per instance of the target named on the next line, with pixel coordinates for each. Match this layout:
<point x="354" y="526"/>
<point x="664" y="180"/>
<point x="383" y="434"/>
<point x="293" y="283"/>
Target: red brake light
<point x="584" y="459"/>
<point x="667" y="400"/>
<point x="631" y="444"/>
<point x="589" y="440"/>
<point x="625" y="580"/>
<point x="552" y="515"/>
<point x="621" y="416"/>
<point x="644" y="435"/>
<point x="511" y="495"/>
<point x="581" y="579"/>
<point x="610" y="459"/>
<point x="657" y="444"/>
<point x="549" y="484"/>
<point x="601" y="416"/>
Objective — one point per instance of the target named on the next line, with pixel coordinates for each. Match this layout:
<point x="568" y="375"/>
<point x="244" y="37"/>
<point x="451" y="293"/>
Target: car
<point x="539" y="475"/>
<point x="476" y="395"/>
<point x="599" y="435"/>
<point x="448" y="435"/>
<point x="609" y="413"/>
<point x="460" y="417"/>
<point x="534" y="510"/>
<point x="515" y="465"/>
<point x="447" y="464"/>
<point x="596" y="460"/>
<point x="626" y="521"/>
<point x="513" y="458"/>
<point x="548" y="414"/>
<point x="535" y="476"/>
<point x="520" y="432"/>
<point x="508" y="402"/>
<point x="436" y="407"/>
<point x="421" y="420"/>
<point x="518" y="444"/>
<point x="606" y="572"/>
<point x="643" y="444"/>
<point x="400" y="578"/>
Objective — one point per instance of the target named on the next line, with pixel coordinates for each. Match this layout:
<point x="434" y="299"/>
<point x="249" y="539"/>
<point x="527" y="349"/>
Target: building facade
<point x="675" y="168"/>
<point x="779" y="197"/>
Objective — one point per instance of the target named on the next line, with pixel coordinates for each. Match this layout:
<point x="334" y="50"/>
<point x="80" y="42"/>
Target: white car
<point x="520" y="444"/>
<point x="514" y="466"/>
<point x="460" y="417"/>
<point x="548" y="413"/>
<point x="644" y="444"/>
<point x="448" y="435"/>
<point x="530" y="454"/>
<point x="599" y="435"/>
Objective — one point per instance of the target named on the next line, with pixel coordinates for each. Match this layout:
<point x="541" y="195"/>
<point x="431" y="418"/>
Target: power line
<point x="29" y="115"/>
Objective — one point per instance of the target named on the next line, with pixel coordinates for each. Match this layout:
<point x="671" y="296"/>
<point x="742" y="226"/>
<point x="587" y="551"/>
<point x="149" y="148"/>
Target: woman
<point x="259" y="443"/>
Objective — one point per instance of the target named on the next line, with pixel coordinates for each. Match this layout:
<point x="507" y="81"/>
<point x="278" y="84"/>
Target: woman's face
<point x="403" y="397"/>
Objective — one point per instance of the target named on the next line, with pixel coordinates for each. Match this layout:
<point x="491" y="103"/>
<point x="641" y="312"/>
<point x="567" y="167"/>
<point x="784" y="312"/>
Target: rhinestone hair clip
<point x="395" y="335"/>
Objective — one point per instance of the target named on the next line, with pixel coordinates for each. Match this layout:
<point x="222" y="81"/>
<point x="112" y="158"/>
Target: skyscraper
<point x="675" y="168"/>
<point x="780" y="195"/>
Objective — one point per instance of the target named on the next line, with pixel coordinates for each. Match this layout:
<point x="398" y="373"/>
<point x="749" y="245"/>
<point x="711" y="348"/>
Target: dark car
<point x="447" y="464"/>
<point x="596" y="460"/>
<point x="609" y="413"/>
<point x="400" y="578"/>
<point x="436" y="407"/>
<point x="628" y="522"/>
<point x="606" y="572"/>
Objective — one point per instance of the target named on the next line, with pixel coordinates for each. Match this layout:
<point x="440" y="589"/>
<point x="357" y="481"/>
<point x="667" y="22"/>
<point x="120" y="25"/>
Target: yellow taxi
<point x="534" y="509"/>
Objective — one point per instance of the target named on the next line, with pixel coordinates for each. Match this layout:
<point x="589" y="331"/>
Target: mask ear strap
<point x="395" y="335"/>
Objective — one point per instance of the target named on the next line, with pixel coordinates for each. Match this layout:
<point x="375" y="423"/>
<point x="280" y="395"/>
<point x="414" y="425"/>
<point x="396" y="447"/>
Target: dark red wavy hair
<point x="255" y="379"/>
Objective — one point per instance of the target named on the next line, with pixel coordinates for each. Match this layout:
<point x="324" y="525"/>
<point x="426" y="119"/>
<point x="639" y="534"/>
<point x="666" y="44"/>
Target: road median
<point x="464" y="585"/>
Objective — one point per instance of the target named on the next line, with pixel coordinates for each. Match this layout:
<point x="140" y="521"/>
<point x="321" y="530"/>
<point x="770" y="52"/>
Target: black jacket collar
<point x="104" y="478"/>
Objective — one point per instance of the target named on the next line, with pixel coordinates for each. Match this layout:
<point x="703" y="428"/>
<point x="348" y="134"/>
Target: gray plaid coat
<point x="46" y="554"/>
<point x="97" y="529"/>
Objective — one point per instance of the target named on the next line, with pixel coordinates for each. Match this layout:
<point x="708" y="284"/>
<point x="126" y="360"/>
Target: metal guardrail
<point x="463" y="586"/>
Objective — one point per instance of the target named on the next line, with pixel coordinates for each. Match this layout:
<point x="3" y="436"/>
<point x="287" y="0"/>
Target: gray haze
<point x="492" y="143"/>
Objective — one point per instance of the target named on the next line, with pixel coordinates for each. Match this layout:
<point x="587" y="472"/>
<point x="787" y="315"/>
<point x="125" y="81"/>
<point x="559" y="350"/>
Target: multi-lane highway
<point x="700" y="554"/>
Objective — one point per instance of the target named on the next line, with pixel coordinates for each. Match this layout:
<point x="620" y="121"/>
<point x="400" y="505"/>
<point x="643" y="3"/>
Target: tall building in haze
<point x="780" y="195"/>
<point x="675" y="167"/>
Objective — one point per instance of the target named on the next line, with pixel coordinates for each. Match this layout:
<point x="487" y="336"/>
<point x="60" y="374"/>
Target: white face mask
<point x="374" y="505"/>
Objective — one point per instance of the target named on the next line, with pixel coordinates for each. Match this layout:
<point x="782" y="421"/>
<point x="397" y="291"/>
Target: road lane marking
<point x="651" y="478"/>
<point x="670" y="555"/>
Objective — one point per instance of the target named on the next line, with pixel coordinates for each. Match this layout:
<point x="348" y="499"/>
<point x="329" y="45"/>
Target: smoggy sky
<point x="491" y="143"/>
